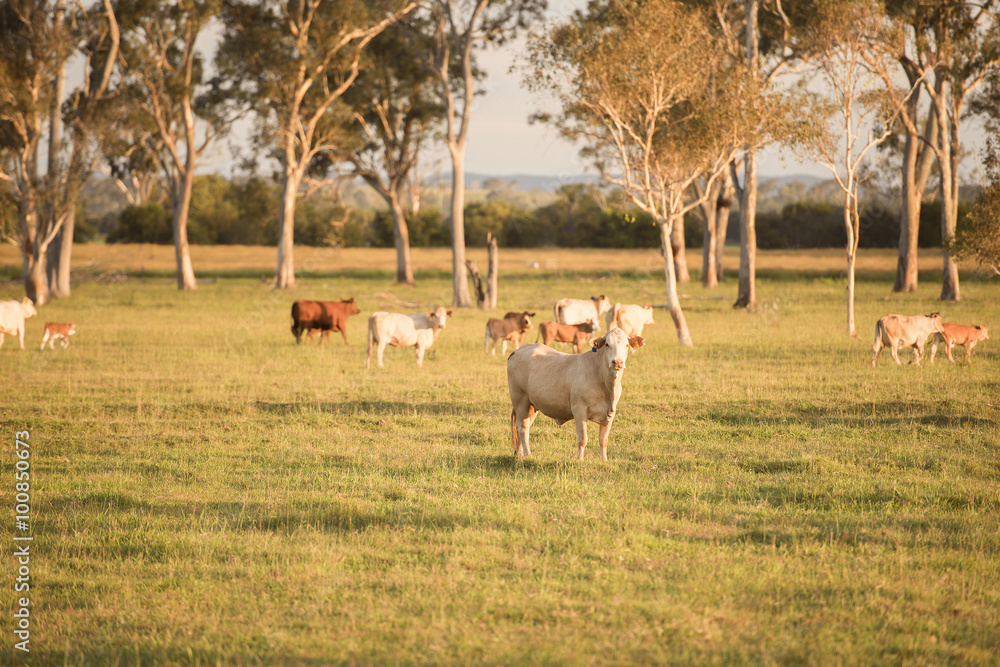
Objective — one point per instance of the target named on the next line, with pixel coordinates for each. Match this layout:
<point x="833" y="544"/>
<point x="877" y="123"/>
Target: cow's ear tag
<point x="593" y="349"/>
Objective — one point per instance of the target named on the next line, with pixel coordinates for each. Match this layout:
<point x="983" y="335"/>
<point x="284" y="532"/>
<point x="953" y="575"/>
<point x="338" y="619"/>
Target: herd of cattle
<point x="581" y="387"/>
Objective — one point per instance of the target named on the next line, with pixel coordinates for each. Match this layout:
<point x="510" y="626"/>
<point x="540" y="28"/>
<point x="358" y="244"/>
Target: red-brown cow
<point x="326" y="316"/>
<point x="577" y="334"/>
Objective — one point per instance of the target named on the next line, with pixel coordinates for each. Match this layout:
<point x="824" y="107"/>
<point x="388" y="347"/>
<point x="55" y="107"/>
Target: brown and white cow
<point x="958" y="334"/>
<point x="895" y="331"/>
<point x="577" y="334"/>
<point x="582" y="387"/>
<point x="12" y="317"/>
<point x="510" y="328"/>
<point x="419" y="330"/>
<point x="326" y="316"/>
<point x="630" y="318"/>
<point x="578" y="311"/>
<point x="55" y="330"/>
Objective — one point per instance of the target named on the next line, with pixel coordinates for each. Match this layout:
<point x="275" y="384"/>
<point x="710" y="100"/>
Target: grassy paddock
<point x="206" y="491"/>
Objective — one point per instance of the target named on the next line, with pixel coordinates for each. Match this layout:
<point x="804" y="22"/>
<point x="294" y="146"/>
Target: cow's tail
<point x="513" y="432"/>
<point x="557" y="311"/>
<point x="371" y="341"/>
<point x="295" y="322"/>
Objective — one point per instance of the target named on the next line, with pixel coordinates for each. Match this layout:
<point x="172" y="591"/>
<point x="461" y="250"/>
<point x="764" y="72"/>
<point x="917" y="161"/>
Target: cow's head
<point x="28" y="307"/>
<point x="616" y="346"/>
<point x="648" y="313"/>
<point x="602" y="303"/>
<point x="936" y="322"/>
<point x="524" y="320"/>
<point x="590" y="326"/>
<point x="984" y="333"/>
<point x="350" y="306"/>
<point x="439" y="317"/>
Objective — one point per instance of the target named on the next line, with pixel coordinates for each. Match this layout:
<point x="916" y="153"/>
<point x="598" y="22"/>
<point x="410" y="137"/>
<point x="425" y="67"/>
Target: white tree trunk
<point x="460" y="284"/>
<point x="673" y="300"/>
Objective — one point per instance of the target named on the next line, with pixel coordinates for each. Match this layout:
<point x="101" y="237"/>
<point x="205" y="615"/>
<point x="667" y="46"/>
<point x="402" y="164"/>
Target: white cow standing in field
<point x="582" y="387"/>
<point x="12" y="317"/>
<point x="578" y="311"/>
<point x="895" y="331"/>
<point x="630" y="318"/>
<point x="419" y="330"/>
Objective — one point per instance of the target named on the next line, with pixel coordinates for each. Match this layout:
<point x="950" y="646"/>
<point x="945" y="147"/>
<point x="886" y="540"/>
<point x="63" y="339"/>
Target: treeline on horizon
<point x="244" y="212"/>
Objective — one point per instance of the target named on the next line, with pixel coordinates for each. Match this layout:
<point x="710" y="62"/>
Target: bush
<point x="148" y="223"/>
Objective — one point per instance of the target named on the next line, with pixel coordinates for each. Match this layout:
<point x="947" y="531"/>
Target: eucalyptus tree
<point x="648" y="92"/>
<point x="961" y="48"/>
<point x="457" y="30"/>
<point x="979" y="238"/>
<point x="167" y="80"/>
<point x="292" y="62"/>
<point x="859" y="111"/>
<point x="394" y="104"/>
<point x="37" y="40"/>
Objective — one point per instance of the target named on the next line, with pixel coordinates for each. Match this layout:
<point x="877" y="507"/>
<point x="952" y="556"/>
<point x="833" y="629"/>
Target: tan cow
<point x="510" y="328"/>
<point x="578" y="311"/>
<point x="582" y="387"/>
<point x="958" y="334"/>
<point x="419" y="330"/>
<point x="577" y="334"/>
<point x="630" y="318"/>
<point x="12" y="317"/>
<point x="895" y="331"/>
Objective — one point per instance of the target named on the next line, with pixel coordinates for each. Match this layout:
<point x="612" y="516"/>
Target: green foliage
<point x="148" y="223"/>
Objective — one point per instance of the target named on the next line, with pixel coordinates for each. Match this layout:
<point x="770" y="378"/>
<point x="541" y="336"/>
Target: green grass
<point x="205" y="491"/>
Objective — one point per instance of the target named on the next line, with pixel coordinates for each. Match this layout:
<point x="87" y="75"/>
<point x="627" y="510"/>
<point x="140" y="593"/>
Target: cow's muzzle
<point x="618" y="364"/>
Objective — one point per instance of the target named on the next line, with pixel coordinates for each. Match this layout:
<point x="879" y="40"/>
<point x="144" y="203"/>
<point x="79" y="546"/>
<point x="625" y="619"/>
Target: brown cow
<point x="959" y="334"/>
<point x="894" y="331"/>
<point x="59" y="330"/>
<point x="510" y="328"/>
<point x="326" y="316"/>
<point x="577" y="334"/>
<point x="581" y="387"/>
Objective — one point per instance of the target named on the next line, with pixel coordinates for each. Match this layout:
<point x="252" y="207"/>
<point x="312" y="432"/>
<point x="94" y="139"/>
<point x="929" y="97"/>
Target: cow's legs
<point x="522" y="420"/>
<point x="378" y="353"/>
<point x="968" y="350"/>
<point x="486" y="343"/>
<point x="45" y="339"/>
<point x="581" y="434"/>
<point x="894" y="349"/>
<point x="918" y="352"/>
<point x="602" y="438"/>
<point x="876" y="347"/>
<point x="20" y="337"/>
<point x="420" y="356"/>
<point x="1" y="340"/>
<point x="503" y="348"/>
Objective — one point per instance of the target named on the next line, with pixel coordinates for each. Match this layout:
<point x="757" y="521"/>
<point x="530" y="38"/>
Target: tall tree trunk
<point x="460" y="284"/>
<point x="673" y="300"/>
<point x="285" y="278"/>
<point x="918" y="157"/>
<point x="722" y="223"/>
<point x="493" y="276"/>
<point x="747" y="294"/>
<point x="909" y="221"/>
<point x="179" y="218"/>
<point x="949" y="197"/>
<point x="709" y="248"/>
<point x="852" y="229"/>
<point x="401" y="238"/>
<point x="60" y="256"/>
<point x="680" y="252"/>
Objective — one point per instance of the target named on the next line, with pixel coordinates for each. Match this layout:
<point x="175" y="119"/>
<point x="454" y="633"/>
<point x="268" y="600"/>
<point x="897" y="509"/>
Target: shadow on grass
<point x="857" y="415"/>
